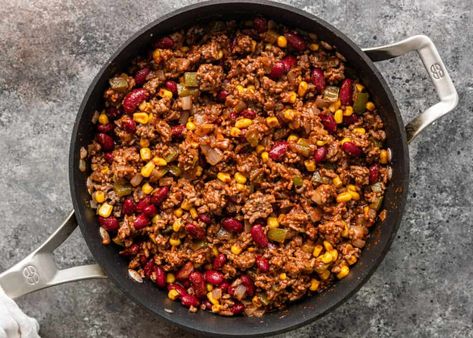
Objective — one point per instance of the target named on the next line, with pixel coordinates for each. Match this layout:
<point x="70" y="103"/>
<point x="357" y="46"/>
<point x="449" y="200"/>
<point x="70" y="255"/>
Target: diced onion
<point x="186" y="102"/>
<point x="213" y="156"/>
<point x="136" y="180"/>
<point x="240" y="292"/>
<point x="217" y="293"/>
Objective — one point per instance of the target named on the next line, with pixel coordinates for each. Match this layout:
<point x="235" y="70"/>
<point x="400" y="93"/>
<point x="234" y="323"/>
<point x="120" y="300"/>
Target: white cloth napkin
<point x="13" y="322"/>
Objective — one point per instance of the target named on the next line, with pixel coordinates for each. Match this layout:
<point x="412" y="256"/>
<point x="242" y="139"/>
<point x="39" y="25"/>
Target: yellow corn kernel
<point x="170" y="278"/>
<point x="105" y="170"/>
<point x="345" y="140"/>
<point x="103" y="119"/>
<point x="359" y="131"/>
<point x="302" y="89"/>
<point x="351" y="260"/>
<point x="265" y="156"/>
<point x="142" y="118"/>
<point x="235" y="249"/>
<point x="338" y="116"/>
<point x="282" y="41"/>
<point x="219" y="55"/>
<point x="251" y="249"/>
<point x="155" y="219"/>
<point x="209" y="287"/>
<point x="235" y="132"/>
<point x="334" y="106"/>
<point x="370" y="106"/>
<point x="292" y="97"/>
<point x="240" y="88"/>
<point x="272" y="121"/>
<point x="317" y="250"/>
<point x="211" y="299"/>
<point x="186" y="205"/>
<point x="173" y="294"/>
<point x="289" y="114"/>
<point x="193" y="213"/>
<point x="321" y="143"/>
<point x="198" y="171"/>
<point x="190" y="126"/>
<point x="99" y="196"/>
<point x="351" y="187"/>
<point x="314" y="47"/>
<point x="354" y="195"/>
<point x="283" y="276"/>
<point x="174" y="241"/>
<point x="105" y="210"/>
<point x="366" y="211"/>
<point x="144" y="143"/>
<point x="251" y="88"/>
<point x="310" y="165"/>
<point x="359" y="87"/>
<point x="240" y="186"/>
<point x="159" y="161"/>
<point x="145" y="106"/>
<point x="324" y="275"/>
<point x="215" y="251"/>
<point x="314" y="284"/>
<point x="147" y="169"/>
<point x="157" y="56"/>
<point x="327" y="245"/>
<point x="272" y="222"/>
<point x="326" y="258"/>
<point x="344" y="197"/>
<point x="147" y="189"/>
<point x="195" y="145"/>
<point x="216" y="308"/>
<point x="344" y="271"/>
<point x="243" y="123"/>
<point x="176" y="225"/>
<point x="337" y="182"/>
<point x="292" y="138"/>
<point x="145" y="154"/>
<point x="178" y="212"/>
<point x="240" y="178"/>
<point x="224" y="177"/>
<point x="383" y="156"/>
<point x="165" y="93"/>
<point x="348" y="111"/>
<point x="259" y="148"/>
<point x="184" y="49"/>
<point x="334" y="254"/>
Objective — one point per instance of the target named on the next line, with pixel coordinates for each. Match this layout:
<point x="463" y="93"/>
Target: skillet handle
<point x="437" y="72"/>
<point x="39" y="271"/>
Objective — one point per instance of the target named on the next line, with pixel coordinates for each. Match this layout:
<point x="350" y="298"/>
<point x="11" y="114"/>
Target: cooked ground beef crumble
<point x="238" y="166"/>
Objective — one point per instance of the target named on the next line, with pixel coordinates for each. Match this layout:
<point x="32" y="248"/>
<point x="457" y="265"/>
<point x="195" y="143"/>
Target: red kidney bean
<point x="207" y="304"/>
<point x="133" y="99"/>
<point x="237" y="308"/>
<point x="160" y="195"/>
<point x="113" y="112"/>
<point x="233" y="116"/>
<point x="179" y="288"/>
<point x="105" y="128"/>
<point x="140" y="76"/>
<point x="198" y="283"/>
<point x="346" y="92"/>
<point x="213" y="277"/>
<point x="231" y="290"/>
<point x="348" y="120"/>
<point x="318" y="79"/>
<point x="171" y="86"/>
<point x="219" y="261"/>
<point x="205" y="218"/>
<point x="178" y="130"/>
<point x="148" y="268"/>
<point x="105" y="141"/>
<point x="289" y="62"/>
<point x="224" y="286"/>
<point x="160" y="277"/>
<point x="374" y="174"/>
<point x="232" y="225"/>
<point x="128" y="206"/>
<point x="108" y="157"/>
<point x="165" y="42"/>
<point x="262" y="264"/>
<point x="248" y="113"/>
<point x="222" y="95"/>
<point x="351" y="149"/>
<point x="185" y="271"/>
<point x="328" y="122"/>
<point x="141" y="221"/>
<point x="142" y="204"/>
<point x="258" y="235"/>
<point x="129" y="125"/>
<point x="261" y="24"/>
<point x="295" y="41"/>
<point x="248" y="283"/>
<point x="150" y="210"/>
<point x="277" y="70"/>
<point x="278" y="150"/>
<point x="189" y="300"/>
<point x="320" y="154"/>
<point x="195" y="231"/>
<point x="109" y="223"/>
<point x="132" y="250"/>
<point x="186" y="283"/>
<point x="143" y="259"/>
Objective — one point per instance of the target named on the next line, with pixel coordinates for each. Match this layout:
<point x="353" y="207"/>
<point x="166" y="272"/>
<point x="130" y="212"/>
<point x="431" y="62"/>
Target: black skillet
<point x="39" y="270"/>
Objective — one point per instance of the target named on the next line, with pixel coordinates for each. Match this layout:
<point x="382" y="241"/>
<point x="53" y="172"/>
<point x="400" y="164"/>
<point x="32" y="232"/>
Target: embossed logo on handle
<point x="437" y="71"/>
<point x="31" y="274"/>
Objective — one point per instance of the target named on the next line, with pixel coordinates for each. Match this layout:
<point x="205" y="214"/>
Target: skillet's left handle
<point x="39" y="271"/>
<point x="437" y="72"/>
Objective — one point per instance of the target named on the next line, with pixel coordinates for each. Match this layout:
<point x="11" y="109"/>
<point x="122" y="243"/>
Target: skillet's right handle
<point x="437" y="72"/>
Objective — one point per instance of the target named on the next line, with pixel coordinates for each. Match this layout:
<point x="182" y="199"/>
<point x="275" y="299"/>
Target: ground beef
<point x="258" y="206"/>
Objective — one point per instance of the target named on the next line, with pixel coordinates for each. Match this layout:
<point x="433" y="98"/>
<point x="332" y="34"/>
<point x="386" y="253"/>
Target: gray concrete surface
<point x="51" y="50"/>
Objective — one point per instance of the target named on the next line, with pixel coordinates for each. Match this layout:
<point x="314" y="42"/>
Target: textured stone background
<point x="51" y="50"/>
